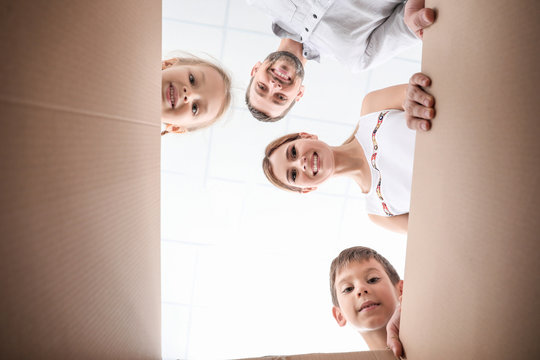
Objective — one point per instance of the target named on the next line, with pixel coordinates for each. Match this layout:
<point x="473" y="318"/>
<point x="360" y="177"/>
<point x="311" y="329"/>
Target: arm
<point x="398" y="223"/>
<point x="384" y="99"/>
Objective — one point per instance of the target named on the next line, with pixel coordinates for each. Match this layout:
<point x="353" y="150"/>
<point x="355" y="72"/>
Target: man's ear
<point x="400" y="287"/>
<point x="306" y="190"/>
<point x="300" y="93"/>
<point x="338" y="315"/>
<point x="168" y="63"/>
<point x="255" y="68"/>
<point x="175" y="129"/>
<point x="305" y="135"/>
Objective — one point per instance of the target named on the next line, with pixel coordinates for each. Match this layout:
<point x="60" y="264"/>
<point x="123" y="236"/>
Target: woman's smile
<point x="315" y="163"/>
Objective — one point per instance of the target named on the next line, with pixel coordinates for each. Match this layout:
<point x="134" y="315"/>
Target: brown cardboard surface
<point x="361" y="355"/>
<point x="80" y="147"/>
<point x="473" y="266"/>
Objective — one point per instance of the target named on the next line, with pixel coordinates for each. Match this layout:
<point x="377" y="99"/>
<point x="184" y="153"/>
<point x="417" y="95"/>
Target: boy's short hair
<point x="358" y="254"/>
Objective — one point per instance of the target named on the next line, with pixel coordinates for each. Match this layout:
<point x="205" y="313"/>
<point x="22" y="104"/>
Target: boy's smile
<point x="368" y="306"/>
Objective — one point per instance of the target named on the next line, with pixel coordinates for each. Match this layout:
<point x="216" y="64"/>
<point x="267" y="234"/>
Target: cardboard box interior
<point x="80" y="184"/>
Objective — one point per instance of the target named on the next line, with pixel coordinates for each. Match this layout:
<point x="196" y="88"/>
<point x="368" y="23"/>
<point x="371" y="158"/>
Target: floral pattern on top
<point x="374" y="162"/>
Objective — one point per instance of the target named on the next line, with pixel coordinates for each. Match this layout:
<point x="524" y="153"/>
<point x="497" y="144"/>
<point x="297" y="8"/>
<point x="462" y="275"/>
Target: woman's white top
<point x="389" y="148"/>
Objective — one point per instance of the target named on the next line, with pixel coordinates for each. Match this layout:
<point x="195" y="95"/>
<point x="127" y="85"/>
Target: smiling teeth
<point x="315" y="165"/>
<point x="281" y="74"/>
<point x="171" y="94"/>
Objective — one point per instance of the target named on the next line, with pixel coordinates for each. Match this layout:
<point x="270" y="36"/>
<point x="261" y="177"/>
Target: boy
<point x="366" y="292"/>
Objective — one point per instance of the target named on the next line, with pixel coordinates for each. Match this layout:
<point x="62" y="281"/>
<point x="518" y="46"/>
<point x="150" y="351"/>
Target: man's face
<point x="366" y="296"/>
<point x="277" y="82"/>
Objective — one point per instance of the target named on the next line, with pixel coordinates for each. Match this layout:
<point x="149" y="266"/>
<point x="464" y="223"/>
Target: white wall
<point x="245" y="265"/>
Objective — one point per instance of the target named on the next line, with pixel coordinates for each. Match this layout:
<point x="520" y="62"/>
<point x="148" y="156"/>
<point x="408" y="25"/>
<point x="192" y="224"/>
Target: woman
<point x="378" y="157"/>
<point x="194" y="94"/>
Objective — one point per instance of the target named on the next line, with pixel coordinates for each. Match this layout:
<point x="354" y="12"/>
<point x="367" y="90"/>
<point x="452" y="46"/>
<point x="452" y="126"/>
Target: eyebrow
<point x="203" y="107"/>
<point x="287" y="152"/>
<point x="203" y="77"/>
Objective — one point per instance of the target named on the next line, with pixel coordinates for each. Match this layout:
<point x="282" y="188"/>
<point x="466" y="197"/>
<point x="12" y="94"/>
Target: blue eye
<point x="191" y="79"/>
<point x="261" y="86"/>
<point x="348" y="289"/>
<point x="194" y="109"/>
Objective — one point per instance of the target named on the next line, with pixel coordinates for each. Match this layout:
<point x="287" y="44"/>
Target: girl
<point x="194" y="94"/>
<point x="378" y="156"/>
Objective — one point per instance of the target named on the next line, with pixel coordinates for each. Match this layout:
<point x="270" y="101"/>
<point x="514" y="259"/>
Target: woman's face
<point x="304" y="163"/>
<point x="191" y="95"/>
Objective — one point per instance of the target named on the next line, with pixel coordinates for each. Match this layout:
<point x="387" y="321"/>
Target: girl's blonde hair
<point x="189" y="59"/>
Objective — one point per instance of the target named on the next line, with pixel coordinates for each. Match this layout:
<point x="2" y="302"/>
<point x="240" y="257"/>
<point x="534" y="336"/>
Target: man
<point x="359" y="34"/>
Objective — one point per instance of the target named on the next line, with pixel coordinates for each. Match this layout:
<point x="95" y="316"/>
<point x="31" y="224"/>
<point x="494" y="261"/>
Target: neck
<point x="293" y="47"/>
<point x="376" y="339"/>
<point x="350" y="161"/>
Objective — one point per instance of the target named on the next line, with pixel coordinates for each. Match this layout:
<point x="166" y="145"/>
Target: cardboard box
<point x="80" y="147"/>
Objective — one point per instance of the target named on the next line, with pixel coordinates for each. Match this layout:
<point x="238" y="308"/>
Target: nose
<point x="362" y="291"/>
<point x="275" y="84"/>
<point x="304" y="162"/>
<point x="186" y="96"/>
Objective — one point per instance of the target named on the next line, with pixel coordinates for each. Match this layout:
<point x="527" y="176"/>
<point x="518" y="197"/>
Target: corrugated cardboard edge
<point x="360" y="355"/>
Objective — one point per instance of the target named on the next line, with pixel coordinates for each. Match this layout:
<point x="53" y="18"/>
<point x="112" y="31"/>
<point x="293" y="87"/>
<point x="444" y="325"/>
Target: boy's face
<point x="366" y="296"/>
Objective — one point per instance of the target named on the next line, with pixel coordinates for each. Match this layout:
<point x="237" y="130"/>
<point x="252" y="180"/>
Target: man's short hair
<point x="261" y="116"/>
<point x="358" y="254"/>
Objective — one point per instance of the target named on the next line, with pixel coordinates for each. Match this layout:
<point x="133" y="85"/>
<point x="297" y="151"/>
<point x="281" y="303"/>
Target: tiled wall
<point x="244" y="265"/>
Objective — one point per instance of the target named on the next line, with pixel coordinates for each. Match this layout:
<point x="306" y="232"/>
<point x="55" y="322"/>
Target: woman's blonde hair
<point x="189" y="59"/>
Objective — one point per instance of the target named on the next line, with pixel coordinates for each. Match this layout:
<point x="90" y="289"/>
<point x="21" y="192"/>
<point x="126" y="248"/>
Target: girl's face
<point x="304" y="163"/>
<point x="191" y="95"/>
